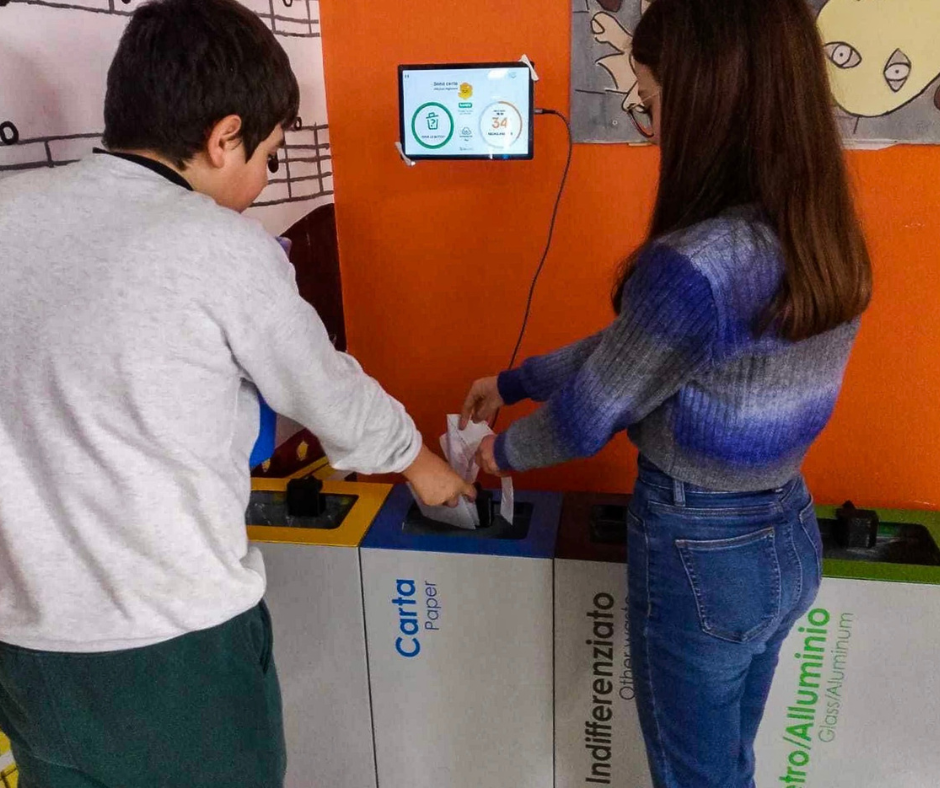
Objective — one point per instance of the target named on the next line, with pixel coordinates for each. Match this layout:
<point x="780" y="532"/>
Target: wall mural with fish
<point x="883" y="59"/>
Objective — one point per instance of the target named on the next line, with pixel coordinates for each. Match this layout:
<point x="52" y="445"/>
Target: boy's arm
<point x="282" y="345"/>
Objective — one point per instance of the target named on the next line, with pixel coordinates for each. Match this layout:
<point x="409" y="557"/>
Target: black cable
<point x="548" y="243"/>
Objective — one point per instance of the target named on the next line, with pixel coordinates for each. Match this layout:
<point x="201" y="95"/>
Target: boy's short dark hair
<point x="183" y="65"/>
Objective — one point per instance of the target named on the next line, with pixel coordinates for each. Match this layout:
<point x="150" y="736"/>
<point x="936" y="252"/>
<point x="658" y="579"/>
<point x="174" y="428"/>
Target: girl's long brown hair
<point x="747" y="119"/>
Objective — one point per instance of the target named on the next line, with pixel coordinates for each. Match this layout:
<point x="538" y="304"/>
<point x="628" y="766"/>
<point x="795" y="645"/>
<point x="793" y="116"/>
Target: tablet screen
<point x="466" y="111"/>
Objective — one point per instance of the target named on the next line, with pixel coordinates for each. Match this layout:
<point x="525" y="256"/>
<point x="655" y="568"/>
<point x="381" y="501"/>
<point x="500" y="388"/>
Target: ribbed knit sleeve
<point x="664" y="336"/>
<point x="541" y="376"/>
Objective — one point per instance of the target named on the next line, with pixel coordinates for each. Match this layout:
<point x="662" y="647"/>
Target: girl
<point x="734" y="324"/>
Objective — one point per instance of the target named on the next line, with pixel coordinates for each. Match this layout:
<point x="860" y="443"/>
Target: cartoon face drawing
<point x="608" y="30"/>
<point x="882" y="54"/>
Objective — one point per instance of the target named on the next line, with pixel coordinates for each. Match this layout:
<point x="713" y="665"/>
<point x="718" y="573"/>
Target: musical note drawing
<point x="9" y="134"/>
<point x="59" y="49"/>
<point x="306" y="163"/>
<point x="304" y="171"/>
<point x="288" y="18"/>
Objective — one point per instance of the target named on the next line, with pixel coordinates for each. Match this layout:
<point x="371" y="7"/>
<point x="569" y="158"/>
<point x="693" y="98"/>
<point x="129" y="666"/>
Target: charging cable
<point x="548" y="242"/>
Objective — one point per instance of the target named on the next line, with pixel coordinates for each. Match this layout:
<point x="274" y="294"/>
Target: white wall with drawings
<point x="54" y="58"/>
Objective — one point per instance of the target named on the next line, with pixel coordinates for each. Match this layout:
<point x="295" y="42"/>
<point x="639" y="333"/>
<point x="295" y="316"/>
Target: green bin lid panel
<point x="887" y="572"/>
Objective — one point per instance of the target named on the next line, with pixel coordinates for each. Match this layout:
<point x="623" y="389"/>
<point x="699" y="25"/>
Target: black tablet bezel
<point x="474" y="157"/>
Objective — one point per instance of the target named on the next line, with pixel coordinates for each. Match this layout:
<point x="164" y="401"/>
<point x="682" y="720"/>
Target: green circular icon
<point x="432" y="121"/>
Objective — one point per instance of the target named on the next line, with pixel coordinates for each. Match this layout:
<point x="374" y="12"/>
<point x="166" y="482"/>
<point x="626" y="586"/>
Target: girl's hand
<point x="482" y="402"/>
<point x="486" y="457"/>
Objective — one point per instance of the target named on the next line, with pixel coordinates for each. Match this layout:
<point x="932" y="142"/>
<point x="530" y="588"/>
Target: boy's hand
<point x="482" y="402"/>
<point x="486" y="457"/>
<point x="435" y="482"/>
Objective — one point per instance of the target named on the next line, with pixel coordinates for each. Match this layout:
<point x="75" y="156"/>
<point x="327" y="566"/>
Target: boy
<point x="140" y="316"/>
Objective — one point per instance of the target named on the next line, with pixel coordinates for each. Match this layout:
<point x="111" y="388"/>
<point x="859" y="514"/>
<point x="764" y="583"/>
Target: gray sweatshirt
<point x="138" y="321"/>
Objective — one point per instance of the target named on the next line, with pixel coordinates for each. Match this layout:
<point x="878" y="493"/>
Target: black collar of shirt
<point x="154" y="166"/>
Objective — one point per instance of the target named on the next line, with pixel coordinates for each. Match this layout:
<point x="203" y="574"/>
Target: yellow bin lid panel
<point x="369" y="500"/>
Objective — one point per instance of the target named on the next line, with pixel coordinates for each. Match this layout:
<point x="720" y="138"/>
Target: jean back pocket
<point x="736" y="583"/>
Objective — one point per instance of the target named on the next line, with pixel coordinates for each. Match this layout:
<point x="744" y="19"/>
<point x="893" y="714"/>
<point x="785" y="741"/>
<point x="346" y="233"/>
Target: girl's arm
<point x="541" y="376"/>
<point x="663" y="337"/>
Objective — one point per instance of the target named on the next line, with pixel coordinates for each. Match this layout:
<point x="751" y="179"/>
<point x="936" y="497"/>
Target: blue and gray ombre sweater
<point x="682" y="370"/>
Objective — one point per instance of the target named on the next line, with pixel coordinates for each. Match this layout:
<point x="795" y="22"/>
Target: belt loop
<point x="678" y="492"/>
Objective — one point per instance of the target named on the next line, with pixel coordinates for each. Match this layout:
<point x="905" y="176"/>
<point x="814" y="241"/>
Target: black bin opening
<point x="270" y="509"/>
<point x="608" y="524"/>
<point x="416" y="523"/>
<point x="895" y="543"/>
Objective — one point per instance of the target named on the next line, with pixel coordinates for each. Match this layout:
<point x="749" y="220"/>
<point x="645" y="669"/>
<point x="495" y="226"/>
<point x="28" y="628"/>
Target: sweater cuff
<point x="511" y="387"/>
<point x="499" y="453"/>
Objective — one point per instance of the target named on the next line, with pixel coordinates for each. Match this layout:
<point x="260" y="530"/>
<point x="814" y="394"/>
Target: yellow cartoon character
<point x="882" y="53"/>
<point x="8" y="773"/>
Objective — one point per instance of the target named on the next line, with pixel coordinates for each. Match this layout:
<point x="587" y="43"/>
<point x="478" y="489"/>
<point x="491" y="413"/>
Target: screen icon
<point x="432" y="125"/>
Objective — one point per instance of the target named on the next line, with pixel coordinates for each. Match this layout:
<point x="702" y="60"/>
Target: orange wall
<point x="436" y="259"/>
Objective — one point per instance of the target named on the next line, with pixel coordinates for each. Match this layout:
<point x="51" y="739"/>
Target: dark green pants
<point x="200" y="711"/>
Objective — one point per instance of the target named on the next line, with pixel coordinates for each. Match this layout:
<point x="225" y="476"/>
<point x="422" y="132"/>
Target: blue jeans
<point x="716" y="581"/>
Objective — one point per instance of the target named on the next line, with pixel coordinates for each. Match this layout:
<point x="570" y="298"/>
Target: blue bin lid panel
<point x="387" y="531"/>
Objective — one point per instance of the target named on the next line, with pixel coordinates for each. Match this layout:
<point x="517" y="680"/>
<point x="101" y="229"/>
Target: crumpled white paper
<point x="460" y="448"/>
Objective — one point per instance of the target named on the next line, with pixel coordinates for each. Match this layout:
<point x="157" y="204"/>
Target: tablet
<point x="466" y="111"/>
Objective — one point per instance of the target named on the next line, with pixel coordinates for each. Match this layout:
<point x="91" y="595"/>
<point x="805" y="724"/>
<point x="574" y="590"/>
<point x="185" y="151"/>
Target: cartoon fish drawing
<point x="882" y="54"/>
